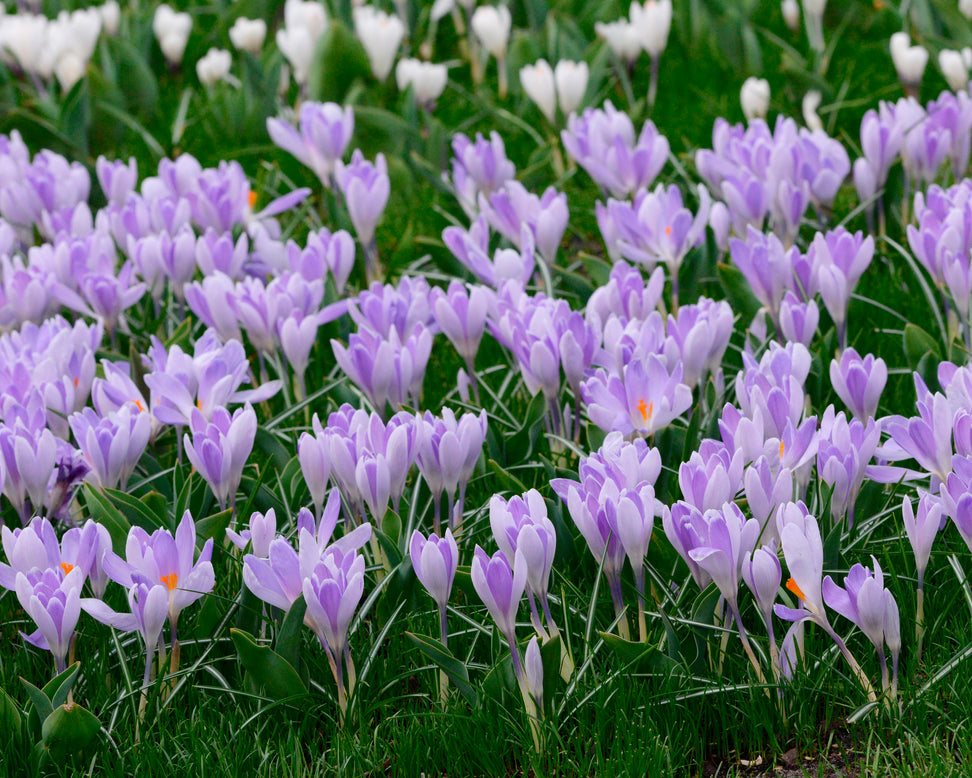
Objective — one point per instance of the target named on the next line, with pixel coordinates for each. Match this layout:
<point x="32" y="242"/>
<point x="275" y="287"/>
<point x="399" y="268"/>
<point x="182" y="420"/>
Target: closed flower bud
<point x="755" y="97"/>
<point x="791" y="14"/>
<point x="491" y="25"/>
<point x="908" y="60"/>
<point x="539" y="84"/>
<point x="570" y="79"/>
<point x="214" y="66"/>
<point x="426" y="79"/>
<point x="248" y="34"/>
<point x="953" y="67"/>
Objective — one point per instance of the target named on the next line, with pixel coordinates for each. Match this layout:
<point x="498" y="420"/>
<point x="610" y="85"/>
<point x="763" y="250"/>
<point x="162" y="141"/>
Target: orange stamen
<point x="792" y="586"/>
<point x="171" y="580"/>
<point x="76" y="381"/>
<point x="138" y="404"/>
<point x="668" y="230"/>
<point x="199" y="404"/>
<point x="781" y="449"/>
<point x="67" y="568"/>
<point x="643" y="409"/>
<point x="253" y="199"/>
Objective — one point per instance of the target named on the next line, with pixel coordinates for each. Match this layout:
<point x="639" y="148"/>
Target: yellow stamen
<point x="67" y="568"/>
<point x="171" y="580"/>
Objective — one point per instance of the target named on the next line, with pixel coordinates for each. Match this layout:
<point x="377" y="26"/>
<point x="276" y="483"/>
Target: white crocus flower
<point x="953" y="67"/>
<point x="909" y="61"/>
<point x="811" y="102"/>
<point x="539" y="84"/>
<point x="491" y="25"/>
<point x="110" y="17"/>
<point x="172" y="32"/>
<point x="653" y="20"/>
<point x="248" y="34"/>
<point x="791" y="14"/>
<point x="426" y="79"/>
<point x="214" y="66"/>
<point x="570" y="79"/>
<point x="755" y="97"/>
<point x="380" y="35"/>
<point x="622" y="37"/>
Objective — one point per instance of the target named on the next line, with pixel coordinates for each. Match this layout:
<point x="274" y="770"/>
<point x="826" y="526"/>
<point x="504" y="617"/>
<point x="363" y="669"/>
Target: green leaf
<point x="738" y="291"/>
<point x="339" y="59"/>
<point x="917" y="343"/>
<point x="150" y="512"/>
<point x="213" y="526"/>
<point x="39" y="710"/>
<point x="445" y="661"/>
<point x="274" y="674"/>
<point x="135" y="79"/>
<point x="639" y="656"/>
<point x="288" y="639"/>
<point x="69" y="729"/>
<point x="10" y="719"/>
<point x="58" y="688"/>
<point x="101" y="509"/>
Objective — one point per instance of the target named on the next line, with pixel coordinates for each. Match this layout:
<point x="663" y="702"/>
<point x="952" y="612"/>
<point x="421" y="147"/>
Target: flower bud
<point x="570" y="79"/>
<point x="214" y="66"/>
<point x="908" y="60"/>
<point x="248" y="34"/>
<point x="755" y="97"/>
<point x="540" y="86"/>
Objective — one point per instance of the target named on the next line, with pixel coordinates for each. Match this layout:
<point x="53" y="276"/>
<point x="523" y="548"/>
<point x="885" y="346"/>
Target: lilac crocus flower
<point x="859" y="382"/>
<point x="922" y="529"/>
<point x="325" y="252"/>
<point x="168" y="560"/>
<point x="447" y="451"/>
<point x="148" y="606"/>
<point x="798" y="320"/>
<point x="766" y="489"/>
<point x="841" y="258"/>
<point x="698" y="337"/>
<point x="332" y="592"/>
<point x="500" y="587"/>
<point x="863" y="600"/>
<point x="521" y="525"/>
<point x="219" y="448"/>
<point x="956" y="494"/>
<point x="645" y="399"/>
<point x="845" y="451"/>
<point x="53" y="600"/>
<point x="472" y="250"/>
<point x="926" y="438"/>
<point x="603" y="142"/>
<point x="117" y="179"/>
<point x="461" y="315"/>
<point x="478" y="166"/>
<point x="324" y="132"/>
<point x="435" y="561"/>
<point x="625" y="296"/>
<point x="366" y="188"/>
<point x="112" y="445"/>
<point x="29" y="458"/>
<point x="512" y="208"/>
<point x="261" y="532"/>
<point x="712" y="476"/>
<point x="762" y="573"/>
<point x="767" y="266"/>
<point x="313" y="453"/>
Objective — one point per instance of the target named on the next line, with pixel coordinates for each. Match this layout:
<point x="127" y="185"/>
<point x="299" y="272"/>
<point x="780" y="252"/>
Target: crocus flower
<point x="521" y="525"/>
<point x="500" y="587"/>
<point x="712" y="476"/>
<point x="332" y="592"/>
<point x="262" y="529"/>
<point x="53" y="600"/>
<point x="956" y="494"/>
<point x="461" y="315"/>
<point x="219" y="448"/>
<point x="380" y="35"/>
<point x="859" y="382"/>
<point x="762" y="573"/>
<point x="112" y="445"/>
<point x="321" y="138"/>
<point x="603" y="142"/>
<point x="478" y="166"/>
<point x="435" y="560"/>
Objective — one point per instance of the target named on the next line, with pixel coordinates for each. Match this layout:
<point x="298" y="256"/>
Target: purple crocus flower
<point x="956" y="494"/>
<point x="512" y="208"/>
<point x="478" y="166"/>
<point x="643" y="400"/>
<point x="625" y="296"/>
<point x="162" y="558"/>
<point x="472" y="250"/>
<point x="859" y="382"/>
<point x="500" y="587"/>
<point x="521" y="525"/>
<point x="841" y="259"/>
<point x="53" y="600"/>
<point x="112" y="445"/>
<point x="117" y="179"/>
<point x="603" y="142"/>
<point x="926" y="438"/>
<point x="215" y="252"/>
<point x="313" y="453"/>
<point x="798" y="320"/>
<point x="148" y="606"/>
<point x="762" y="573"/>
<point x="325" y="252"/>
<point x="208" y="300"/>
<point x="325" y="130"/>
<point x="461" y="315"/>
<point x="29" y="458"/>
<point x="864" y="601"/>
<point x="767" y="266"/>
<point x="658" y="229"/>
<point x="766" y="489"/>
<point x="332" y="592"/>
<point x="219" y="448"/>
<point x="698" y="337"/>
<point x="435" y="561"/>
<point x="261" y="532"/>
<point x="712" y="475"/>
<point x="845" y="451"/>
<point x="366" y="188"/>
